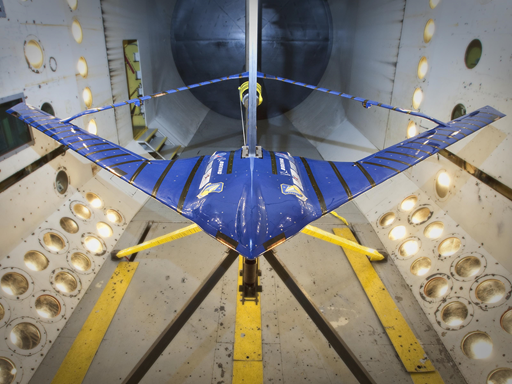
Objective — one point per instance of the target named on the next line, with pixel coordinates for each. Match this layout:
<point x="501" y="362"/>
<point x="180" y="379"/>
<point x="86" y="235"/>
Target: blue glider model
<point x="252" y="204"/>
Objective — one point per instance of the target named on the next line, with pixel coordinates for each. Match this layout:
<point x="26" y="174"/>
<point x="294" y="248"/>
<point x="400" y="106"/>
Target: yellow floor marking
<point x="353" y="245"/>
<point x="406" y="345"/>
<point x="247" y="354"/>
<point x="427" y="378"/>
<point x="80" y="356"/>
<point x="178" y="234"/>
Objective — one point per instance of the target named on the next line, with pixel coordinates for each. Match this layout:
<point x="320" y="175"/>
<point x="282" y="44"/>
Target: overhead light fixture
<point x="428" y="33"/>
<point x="25" y="336"/>
<point x="93" y="244"/>
<point x="94" y="200"/>
<point x="34" y="54"/>
<point x="477" y="345"/>
<point x="76" y="31"/>
<point x="408" y="203"/>
<point x="469" y="266"/>
<point x="80" y="262"/>
<point x="409" y="248"/>
<point x="82" y="211"/>
<point x="387" y="219"/>
<point x="14" y="284"/>
<point x="397" y="233"/>
<point x="8" y="370"/>
<point x="73" y="4"/>
<point x="412" y="129"/>
<point x="87" y="97"/>
<point x="500" y="376"/>
<point x="53" y="242"/>
<point x="65" y="282"/>
<point x="104" y="229"/>
<point x="421" y="266"/>
<point x="422" y="68"/>
<point x="490" y="291"/>
<point x="114" y="217"/>
<point x="434" y="230"/>
<point x="48" y="307"/>
<point x="82" y="67"/>
<point x="421" y="215"/>
<point x="92" y="127"/>
<point x="449" y="246"/>
<point x="417" y="98"/>
<point x="69" y="225"/>
<point x="35" y="261"/>
<point x="434" y="3"/>
<point x="436" y="288"/>
<point x="454" y="313"/>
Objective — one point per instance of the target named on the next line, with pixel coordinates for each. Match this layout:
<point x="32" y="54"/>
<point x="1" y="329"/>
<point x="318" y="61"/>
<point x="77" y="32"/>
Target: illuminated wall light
<point x="477" y="345"/>
<point x="506" y="321"/>
<point x="443" y="182"/>
<point x="434" y="230"/>
<point x="429" y="31"/>
<point x="114" y="217"/>
<point x="73" y="4"/>
<point x="412" y="129"/>
<point x="34" y="54"/>
<point x="490" y="291"/>
<point x="7" y="371"/>
<point x="387" y="219"/>
<point x="449" y="246"/>
<point x="69" y="225"/>
<point x="82" y="211"/>
<point x="417" y="98"/>
<point x="94" y="200"/>
<point x="87" y="97"/>
<point x="422" y="68"/>
<point x="80" y="262"/>
<point x="421" y="215"/>
<point x="409" y="248"/>
<point x="2" y="314"/>
<point x="454" y="313"/>
<point x="408" y="203"/>
<point x="421" y="266"/>
<point x="35" y="261"/>
<point x="104" y="229"/>
<point x="65" y="282"/>
<point x="434" y="3"/>
<point x="436" y="288"/>
<point x="47" y="306"/>
<point x="500" y="376"/>
<point x="93" y="244"/>
<point x="82" y="67"/>
<point x="76" y="31"/>
<point x="25" y="336"/>
<point x="397" y="233"/>
<point x="53" y="242"/>
<point x="14" y="284"/>
<point x="468" y="266"/>
<point x="92" y="127"/>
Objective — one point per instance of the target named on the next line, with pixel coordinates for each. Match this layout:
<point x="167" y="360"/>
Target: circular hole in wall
<point x="490" y="291"/>
<point x="104" y="229"/>
<point x="420" y="215"/>
<point x="47" y="306"/>
<point x="434" y="230"/>
<point x="94" y="200"/>
<point x="417" y="98"/>
<point x="2" y="314"/>
<point x="422" y="68"/>
<point x="92" y="127"/>
<point x="500" y="376"/>
<point x="82" y="211"/>
<point x="436" y="288"/>
<point x="53" y="241"/>
<point x="80" y="262"/>
<point x="76" y="31"/>
<point x="35" y="260"/>
<point x="82" y="67"/>
<point x="429" y="31"/>
<point x="34" y="54"/>
<point x="409" y="248"/>
<point x="25" y="336"/>
<point x="473" y="54"/>
<point x="477" y="345"/>
<point x="421" y="266"/>
<point x="65" y="282"/>
<point x="61" y="182"/>
<point x="468" y="266"/>
<point x="412" y="129"/>
<point x="397" y="233"/>
<point x="458" y="111"/>
<point x="14" y="284"/>
<point x="47" y="107"/>
<point x="454" y="313"/>
<point x="408" y="203"/>
<point x="69" y="225"/>
<point x="449" y="246"/>
<point x="87" y="97"/>
<point x="387" y="219"/>
<point x="506" y="321"/>
<point x="115" y="217"/>
<point x="7" y="371"/>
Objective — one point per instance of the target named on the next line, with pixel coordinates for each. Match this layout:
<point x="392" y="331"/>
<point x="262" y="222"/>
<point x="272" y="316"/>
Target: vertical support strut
<point x="251" y="63"/>
<point x="180" y="319"/>
<point x="320" y="320"/>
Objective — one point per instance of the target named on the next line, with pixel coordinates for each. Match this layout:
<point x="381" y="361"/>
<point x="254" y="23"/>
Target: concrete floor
<point x="294" y="351"/>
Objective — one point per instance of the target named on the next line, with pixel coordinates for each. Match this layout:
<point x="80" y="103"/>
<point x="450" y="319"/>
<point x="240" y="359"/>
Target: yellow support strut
<point x="339" y="217"/>
<point x="352" y="245"/>
<point x="180" y="233"/>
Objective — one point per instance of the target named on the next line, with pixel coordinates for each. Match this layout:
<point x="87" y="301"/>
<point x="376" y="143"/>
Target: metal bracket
<point x="245" y="152"/>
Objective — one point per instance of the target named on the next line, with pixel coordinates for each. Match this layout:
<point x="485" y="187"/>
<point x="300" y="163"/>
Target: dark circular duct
<point x="208" y="41"/>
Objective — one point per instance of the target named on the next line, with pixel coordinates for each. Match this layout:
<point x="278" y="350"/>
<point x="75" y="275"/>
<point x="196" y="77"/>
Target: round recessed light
<point x="477" y="345"/>
<point x="412" y="129"/>
<point x="454" y="313"/>
<point x="490" y="291"/>
<point x="35" y="261"/>
<point x="93" y="244"/>
<point x="409" y="248"/>
<point x="25" y="336"/>
<point x="436" y="288"/>
<point x="506" y="321"/>
<point x="443" y="182"/>
<point x="449" y="246"/>
<point x="500" y="376"/>
<point x="2" y="314"/>
<point x="14" y="284"/>
<point x="115" y="217"/>
<point x="468" y="266"/>
<point x="65" y="282"/>
<point x="92" y="127"/>
<point x="34" y="54"/>
<point x="434" y="3"/>
<point x="76" y="31"/>
<point x="73" y="4"/>
<point x="80" y="262"/>
<point x="87" y="97"/>
<point x="7" y="371"/>
<point x="434" y="230"/>
<point x="409" y="203"/>
<point x="94" y="200"/>
<point x="421" y="266"/>
<point x="47" y="306"/>
<point x="421" y="215"/>
<point x="53" y="241"/>
<point x="417" y="98"/>
<point x="69" y="225"/>
<point x="82" y="211"/>
<point x="104" y="229"/>
<point x="422" y="67"/>
<point x="82" y="67"/>
<point x="473" y="54"/>
<point x="429" y="31"/>
<point x="397" y="233"/>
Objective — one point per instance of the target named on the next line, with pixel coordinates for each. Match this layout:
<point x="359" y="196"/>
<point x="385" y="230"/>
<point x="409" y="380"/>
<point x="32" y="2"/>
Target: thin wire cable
<point x="243" y="124"/>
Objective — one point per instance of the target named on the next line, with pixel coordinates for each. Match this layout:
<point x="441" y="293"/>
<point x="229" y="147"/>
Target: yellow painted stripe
<point x="406" y="345"/>
<point x="180" y="233"/>
<point x="349" y="244"/>
<point x="339" y="217"/>
<point x="427" y="378"/>
<point x="247" y="354"/>
<point x="80" y="356"/>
